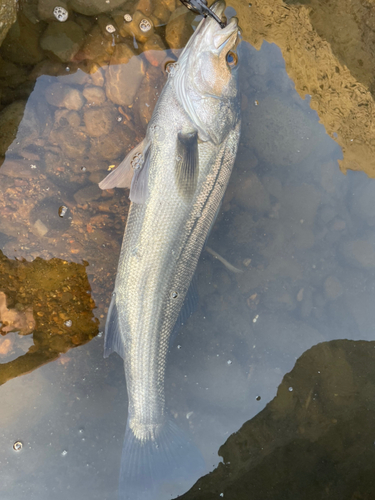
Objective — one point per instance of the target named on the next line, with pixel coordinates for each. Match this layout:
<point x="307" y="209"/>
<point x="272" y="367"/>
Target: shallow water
<point x="299" y="229"/>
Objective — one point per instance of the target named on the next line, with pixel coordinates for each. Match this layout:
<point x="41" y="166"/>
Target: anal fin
<point x="112" y="338"/>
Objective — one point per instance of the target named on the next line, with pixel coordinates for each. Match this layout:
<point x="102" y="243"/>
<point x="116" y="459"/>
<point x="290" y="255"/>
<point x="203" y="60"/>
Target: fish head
<point x="206" y="82"/>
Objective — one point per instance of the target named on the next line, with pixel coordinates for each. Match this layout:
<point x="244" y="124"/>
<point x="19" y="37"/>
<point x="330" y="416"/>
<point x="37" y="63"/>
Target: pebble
<point x="88" y="193"/>
<point x="63" y="40"/>
<point x="98" y="121"/>
<point x="251" y="195"/>
<point x="179" y="29"/>
<point x="64" y="96"/>
<point x="94" y="96"/>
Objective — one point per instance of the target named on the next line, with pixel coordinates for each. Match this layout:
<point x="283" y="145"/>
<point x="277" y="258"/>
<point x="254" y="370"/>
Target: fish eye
<point x="232" y="59"/>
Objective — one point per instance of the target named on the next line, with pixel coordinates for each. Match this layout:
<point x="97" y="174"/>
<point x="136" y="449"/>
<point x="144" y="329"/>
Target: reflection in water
<point x="328" y="52"/>
<point x="313" y="440"/>
<point x="48" y="300"/>
<point x="301" y="232"/>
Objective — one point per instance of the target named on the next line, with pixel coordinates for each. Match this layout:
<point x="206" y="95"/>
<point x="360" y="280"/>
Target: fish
<point x="177" y="178"/>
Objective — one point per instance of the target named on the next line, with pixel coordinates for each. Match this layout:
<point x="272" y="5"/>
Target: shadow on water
<point x="300" y="230"/>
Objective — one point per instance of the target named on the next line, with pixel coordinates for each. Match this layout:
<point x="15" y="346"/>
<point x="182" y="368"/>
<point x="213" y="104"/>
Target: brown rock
<point x="10" y="118"/>
<point x="63" y="96"/>
<point x="179" y="29"/>
<point x="62" y="40"/>
<point x="141" y="27"/>
<point x="155" y="50"/>
<point x="94" y="96"/>
<point x="98" y="121"/>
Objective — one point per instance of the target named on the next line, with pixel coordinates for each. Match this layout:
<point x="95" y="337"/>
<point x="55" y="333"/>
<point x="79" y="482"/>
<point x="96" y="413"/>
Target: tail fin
<point x="151" y="469"/>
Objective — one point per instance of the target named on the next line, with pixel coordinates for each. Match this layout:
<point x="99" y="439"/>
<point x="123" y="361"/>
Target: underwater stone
<point x="94" y="95"/>
<point x="123" y="80"/>
<point x="10" y="118"/>
<point x="141" y="27"/>
<point x="98" y="121"/>
<point x="63" y="40"/>
<point x="179" y="29"/>
<point x="63" y="96"/>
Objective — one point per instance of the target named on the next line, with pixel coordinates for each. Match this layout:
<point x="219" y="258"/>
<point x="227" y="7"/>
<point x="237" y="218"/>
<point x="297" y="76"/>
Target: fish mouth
<point x="221" y="36"/>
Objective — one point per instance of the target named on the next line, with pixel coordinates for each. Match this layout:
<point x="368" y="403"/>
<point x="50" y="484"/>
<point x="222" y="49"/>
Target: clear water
<point x="299" y="229"/>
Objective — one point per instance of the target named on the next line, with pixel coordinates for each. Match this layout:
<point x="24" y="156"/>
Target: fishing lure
<point x="201" y="7"/>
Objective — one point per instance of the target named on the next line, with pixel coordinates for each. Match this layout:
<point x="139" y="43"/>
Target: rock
<point x="170" y="4"/>
<point x="87" y="194"/>
<point x="74" y="77"/>
<point x="39" y="228"/>
<point x="62" y="40"/>
<point x="94" y="96"/>
<point x="22" y="42"/>
<point x="140" y="26"/>
<point x="333" y="288"/>
<point x="97" y="47"/>
<point x="19" y="169"/>
<point x="96" y="74"/>
<point x="250" y="194"/>
<point x="11" y="75"/>
<point x="63" y="96"/>
<point x="99" y="121"/>
<point x="179" y="29"/>
<point x="73" y="143"/>
<point x="162" y="13"/>
<point x="123" y="79"/>
<point x="155" y="50"/>
<point x="8" y="15"/>
<point x="359" y="253"/>
<point x="111" y="146"/>
<point x="10" y="118"/>
<point x="144" y="6"/>
<point x="94" y="7"/>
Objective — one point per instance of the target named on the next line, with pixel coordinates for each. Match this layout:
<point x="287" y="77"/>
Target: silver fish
<point x="177" y="177"/>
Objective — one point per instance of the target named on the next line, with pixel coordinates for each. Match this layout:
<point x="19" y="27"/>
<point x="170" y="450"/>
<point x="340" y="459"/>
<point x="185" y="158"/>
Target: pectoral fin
<point x="187" y="164"/>
<point x="122" y="176"/>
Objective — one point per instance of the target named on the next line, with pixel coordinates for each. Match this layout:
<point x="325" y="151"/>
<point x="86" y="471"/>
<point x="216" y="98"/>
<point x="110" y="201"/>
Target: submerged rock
<point x="22" y="42"/>
<point x="99" y="121"/>
<point x="10" y="118"/>
<point x="95" y="96"/>
<point x="124" y="75"/>
<point x="64" y="96"/>
<point x="62" y="40"/>
<point x="179" y="29"/>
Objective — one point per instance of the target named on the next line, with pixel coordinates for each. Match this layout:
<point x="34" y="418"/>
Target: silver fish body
<point x="187" y="157"/>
